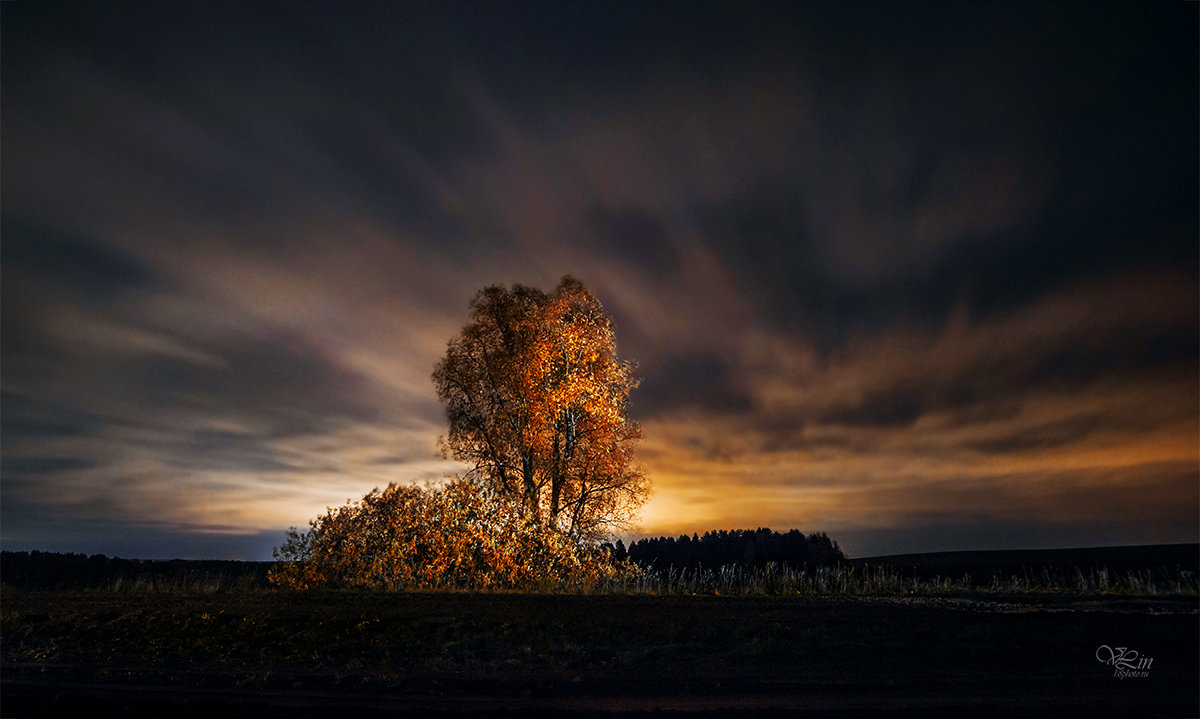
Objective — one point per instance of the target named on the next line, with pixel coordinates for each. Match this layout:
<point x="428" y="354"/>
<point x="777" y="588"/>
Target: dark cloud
<point x="1040" y="436"/>
<point x="991" y="380"/>
<point x="278" y="382"/>
<point x="31" y="417"/>
<point x="217" y="451"/>
<point x="275" y="380"/>
<point x="681" y="383"/>
<point x="897" y="408"/>
<point x="857" y="248"/>
<point x="75" y="262"/>
<point x="762" y="234"/>
<point x="1017" y="166"/>
<point x="20" y="466"/>
<point x="636" y="236"/>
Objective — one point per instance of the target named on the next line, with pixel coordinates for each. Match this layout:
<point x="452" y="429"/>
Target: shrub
<point x="460" y="535"/>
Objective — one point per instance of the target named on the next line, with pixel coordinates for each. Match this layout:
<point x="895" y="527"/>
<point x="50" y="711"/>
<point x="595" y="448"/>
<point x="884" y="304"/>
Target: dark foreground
<point x="296" y="655"/>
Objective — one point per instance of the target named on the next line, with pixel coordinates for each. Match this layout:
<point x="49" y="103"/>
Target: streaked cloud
<point x="909" y="293"/>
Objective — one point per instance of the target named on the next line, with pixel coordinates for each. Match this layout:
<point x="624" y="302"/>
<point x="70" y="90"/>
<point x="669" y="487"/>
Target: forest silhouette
<point x="743" y="547"/>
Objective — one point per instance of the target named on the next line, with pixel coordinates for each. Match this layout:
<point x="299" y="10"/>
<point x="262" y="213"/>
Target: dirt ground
<point x="296" y="655"/>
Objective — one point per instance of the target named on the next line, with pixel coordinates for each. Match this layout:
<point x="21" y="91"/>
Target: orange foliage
<point x="462" y="535"/>
<point x="536" y="399"/>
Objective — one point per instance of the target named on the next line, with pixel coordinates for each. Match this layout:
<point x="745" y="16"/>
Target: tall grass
<point x="189" y="583"/>
<point x="769" y="580"/>
<point x="1142" y="582"/>
<point x="882" y="580"/>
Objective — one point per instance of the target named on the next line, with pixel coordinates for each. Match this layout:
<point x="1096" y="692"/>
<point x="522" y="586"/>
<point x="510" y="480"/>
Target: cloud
<point x="77" y="263"/>
<point x="1063" y="413"/>
<point x="869" y="273"/>
<point x="170" y="406"/>
<point x="702" y="381"/>
<point x="42" y="465"/>
<point x="29" y="417"/>
<point x="43" y="529"/>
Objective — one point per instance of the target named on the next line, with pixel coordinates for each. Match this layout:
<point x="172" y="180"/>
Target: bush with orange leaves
<point x="462" y="535"/>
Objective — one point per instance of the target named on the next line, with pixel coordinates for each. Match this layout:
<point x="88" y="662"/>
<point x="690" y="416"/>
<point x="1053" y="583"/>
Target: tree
<point x="536" y="400"/>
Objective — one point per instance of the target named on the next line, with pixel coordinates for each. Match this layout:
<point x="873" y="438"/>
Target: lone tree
<point x="536" y="400"/>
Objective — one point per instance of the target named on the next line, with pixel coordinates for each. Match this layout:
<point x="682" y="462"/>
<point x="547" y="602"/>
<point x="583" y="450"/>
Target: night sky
<point x="922" y="276"/>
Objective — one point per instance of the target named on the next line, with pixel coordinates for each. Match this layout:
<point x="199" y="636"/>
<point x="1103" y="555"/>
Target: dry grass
<point x="770" y="580"/>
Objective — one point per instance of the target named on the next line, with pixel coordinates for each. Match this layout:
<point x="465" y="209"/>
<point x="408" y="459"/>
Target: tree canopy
<point x="536" y="399"/>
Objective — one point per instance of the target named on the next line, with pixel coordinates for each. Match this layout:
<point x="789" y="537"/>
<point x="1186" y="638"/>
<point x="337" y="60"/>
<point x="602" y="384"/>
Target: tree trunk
<point x="564" y="449"/>
<point x="556" y="480"/>
<point x="531" y="493"/>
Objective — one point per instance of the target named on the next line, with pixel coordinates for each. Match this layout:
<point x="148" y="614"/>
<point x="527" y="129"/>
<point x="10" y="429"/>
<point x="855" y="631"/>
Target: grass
<point x="864" y="580"/>
<point x="191" y="583"/>
<point x="1154" y="571"/>
<point x="884" y="580"/>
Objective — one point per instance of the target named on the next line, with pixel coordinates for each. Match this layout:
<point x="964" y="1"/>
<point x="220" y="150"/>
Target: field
<point x="208" y="649"/>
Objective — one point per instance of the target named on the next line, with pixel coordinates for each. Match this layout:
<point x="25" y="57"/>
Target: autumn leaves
<point x="458" y="536"/>
<point x="536" y="397"/>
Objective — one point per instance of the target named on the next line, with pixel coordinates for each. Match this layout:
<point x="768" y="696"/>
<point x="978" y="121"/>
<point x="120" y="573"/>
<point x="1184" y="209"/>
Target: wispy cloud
<point x="868" y="290"/>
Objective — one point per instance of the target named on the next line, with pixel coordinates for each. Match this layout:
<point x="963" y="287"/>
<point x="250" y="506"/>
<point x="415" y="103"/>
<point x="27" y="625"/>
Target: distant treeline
<point x="1156" y="562"/>
<point x="745" y="548"/>
<point x="51" y="570"/>
<point x="741" y="547"/>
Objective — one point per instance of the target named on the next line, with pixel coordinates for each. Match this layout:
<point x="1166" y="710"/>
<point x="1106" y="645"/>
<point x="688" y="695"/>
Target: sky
<point x="920" y="276"/>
